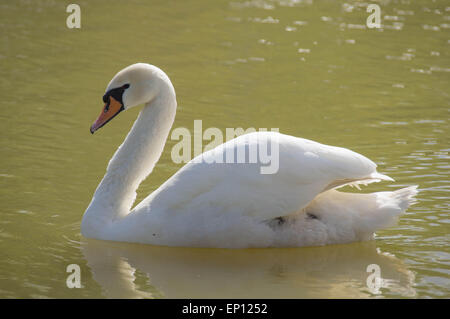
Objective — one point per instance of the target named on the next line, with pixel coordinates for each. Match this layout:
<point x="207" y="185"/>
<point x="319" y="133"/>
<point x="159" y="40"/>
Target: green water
<point x="310" y="68"/>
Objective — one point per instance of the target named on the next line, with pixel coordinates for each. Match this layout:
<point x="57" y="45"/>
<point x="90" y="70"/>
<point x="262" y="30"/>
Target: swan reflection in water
<point x="142" y="271"/>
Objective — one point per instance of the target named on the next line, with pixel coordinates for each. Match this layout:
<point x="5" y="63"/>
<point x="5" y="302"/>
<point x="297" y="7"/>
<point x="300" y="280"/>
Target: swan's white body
<point x="234" y="205"/>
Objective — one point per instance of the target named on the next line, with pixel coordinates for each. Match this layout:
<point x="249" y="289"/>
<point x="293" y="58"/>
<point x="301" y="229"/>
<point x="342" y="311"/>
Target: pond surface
<point x="310" y="68"/>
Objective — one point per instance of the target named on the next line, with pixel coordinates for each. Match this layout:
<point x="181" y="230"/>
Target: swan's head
<point x="136" y="84"/>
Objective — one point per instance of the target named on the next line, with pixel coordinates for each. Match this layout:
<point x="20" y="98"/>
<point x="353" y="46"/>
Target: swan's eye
<point x="106" y="107"/>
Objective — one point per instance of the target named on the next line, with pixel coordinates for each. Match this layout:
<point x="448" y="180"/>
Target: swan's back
<point x="305" y="168"/>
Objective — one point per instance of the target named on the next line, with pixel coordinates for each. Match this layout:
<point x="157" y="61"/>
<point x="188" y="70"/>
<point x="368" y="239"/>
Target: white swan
<point x="229" y="205"/>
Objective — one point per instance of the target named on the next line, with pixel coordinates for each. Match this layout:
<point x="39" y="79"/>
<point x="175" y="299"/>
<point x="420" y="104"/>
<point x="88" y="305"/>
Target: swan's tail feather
<point x="351" y="217"/>
<point x="389" y="206"/>
<point x="406" y="196"/>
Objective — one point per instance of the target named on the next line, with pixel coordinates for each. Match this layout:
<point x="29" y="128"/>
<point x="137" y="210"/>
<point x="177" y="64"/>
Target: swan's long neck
<point x="133" y="161"/>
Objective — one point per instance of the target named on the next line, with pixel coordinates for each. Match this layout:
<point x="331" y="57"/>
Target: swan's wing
<point x="305" y="169"/>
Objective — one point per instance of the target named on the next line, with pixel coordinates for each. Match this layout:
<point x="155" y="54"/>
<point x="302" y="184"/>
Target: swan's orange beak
<point x="110" y="110"/>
